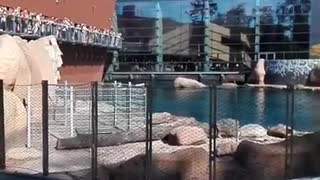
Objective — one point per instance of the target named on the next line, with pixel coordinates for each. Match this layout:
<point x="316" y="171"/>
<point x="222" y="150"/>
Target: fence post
<point x="29" y="117"/>
<point x="115" y="104"/>
<point x="65" y="103"/>
<point x="71" y="112"/>
<point x="94" y="118"/>
<point x="289" y="131"/>
<point x="130" y="98"/>
<point x="212" y="131"/>
<point x="148" y="163"/>
<point x="2" y="133"/>
<point x="45" y="129"/>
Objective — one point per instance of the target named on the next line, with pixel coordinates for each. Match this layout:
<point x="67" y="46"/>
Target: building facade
<point x="210" y="31"/>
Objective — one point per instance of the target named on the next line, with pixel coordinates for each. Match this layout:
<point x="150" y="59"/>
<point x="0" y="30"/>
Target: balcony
<point x="68" y="34"/>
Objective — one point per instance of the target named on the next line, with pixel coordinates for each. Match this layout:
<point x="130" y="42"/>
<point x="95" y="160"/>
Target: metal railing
<point x="33" y="29"/>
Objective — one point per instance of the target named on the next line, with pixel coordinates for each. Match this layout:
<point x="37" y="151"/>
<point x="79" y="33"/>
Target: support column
<point x="257" y="31"/>
<point x="159" y="39"/>
<point x="206" y="48"/>
<point x="115" y="53"/>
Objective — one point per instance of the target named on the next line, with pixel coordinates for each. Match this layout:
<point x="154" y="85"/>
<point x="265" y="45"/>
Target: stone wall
<point x="289" y="71"/>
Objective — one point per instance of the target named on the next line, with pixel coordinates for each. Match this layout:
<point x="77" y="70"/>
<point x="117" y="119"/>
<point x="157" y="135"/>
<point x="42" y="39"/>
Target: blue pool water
<point x="266" y="107"/>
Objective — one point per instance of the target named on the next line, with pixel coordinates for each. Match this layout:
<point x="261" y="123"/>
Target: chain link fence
<point x="134" y="131"/>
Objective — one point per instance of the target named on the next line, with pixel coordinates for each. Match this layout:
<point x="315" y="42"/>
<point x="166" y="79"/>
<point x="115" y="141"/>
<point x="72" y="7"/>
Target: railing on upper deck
<point x="32" y="29"/>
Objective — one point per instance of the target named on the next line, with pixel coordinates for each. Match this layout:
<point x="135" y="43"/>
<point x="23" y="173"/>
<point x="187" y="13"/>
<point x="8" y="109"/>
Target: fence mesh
<point x="121" y="124"/>
<point x="253" y="131"/>
<point x="23" y="117"/>
<point x="180" y="133"/>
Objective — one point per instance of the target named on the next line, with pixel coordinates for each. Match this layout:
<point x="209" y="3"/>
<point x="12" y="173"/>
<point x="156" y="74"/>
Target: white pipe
<point x="29" y="117"/>
<point x="130" y="95"/>
<point x="71" y="112"/>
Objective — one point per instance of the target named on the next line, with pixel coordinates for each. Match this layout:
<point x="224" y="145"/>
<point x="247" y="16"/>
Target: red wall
<point x="82" y="64"/>
<point x="91" y="12"/>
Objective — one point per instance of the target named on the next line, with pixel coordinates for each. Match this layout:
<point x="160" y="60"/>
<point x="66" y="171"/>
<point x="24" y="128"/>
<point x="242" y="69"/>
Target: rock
<point x="15" y="116"/>
<point x="10" y="62"/>
<point x="23" y="153"/>
<point x="181" y="82"/>
<point x="268" y="160"/>
<point x="228" y="86"/>
<point x="23" y="78"/>
<point x="280" y="131"/>
<point x="187" y="164"/>
<point x="252" y="131"/>
<point x="314" y="77"/>
<point x="186" y="135"/>
<point x="228" y="127"/>
<point x="226" y="146"/>
<point x="160" y="118"/>
<point x="277" y="131"/>
<point x="260" y="71"/>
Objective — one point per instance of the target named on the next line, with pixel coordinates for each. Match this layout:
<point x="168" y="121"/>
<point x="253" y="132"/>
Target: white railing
<point x="120" y="107"/>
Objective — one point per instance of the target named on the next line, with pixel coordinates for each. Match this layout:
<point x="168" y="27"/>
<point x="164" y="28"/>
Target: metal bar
<point x="210" y="131"/>
<point x="292" y="128"/>
<point x="29" y="117"/>
<point x="94" y="114"/>
<point x="45" y="129"/>
<point x="71" y="112"/>
<point x="2" y="133"/>
<point x="65" y="103"/>
<point x="174" y="73"/>
<point x="215" y="131"/>
<point x="130" y="116"/>
<point x="115" y="103"/>
<point x="148" y="163"/>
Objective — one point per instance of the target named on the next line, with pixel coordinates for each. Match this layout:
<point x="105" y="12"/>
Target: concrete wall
<point x="96" y="13"/>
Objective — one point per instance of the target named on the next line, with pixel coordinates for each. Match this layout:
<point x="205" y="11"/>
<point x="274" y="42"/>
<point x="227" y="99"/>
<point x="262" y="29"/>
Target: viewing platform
<point x="64" y="34"/>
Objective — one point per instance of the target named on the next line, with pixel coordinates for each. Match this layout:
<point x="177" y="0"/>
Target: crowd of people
<point x="23" y="21"/>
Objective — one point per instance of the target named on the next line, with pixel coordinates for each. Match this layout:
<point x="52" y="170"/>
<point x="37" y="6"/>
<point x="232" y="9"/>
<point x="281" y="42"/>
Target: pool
<point x="267" y="107"/>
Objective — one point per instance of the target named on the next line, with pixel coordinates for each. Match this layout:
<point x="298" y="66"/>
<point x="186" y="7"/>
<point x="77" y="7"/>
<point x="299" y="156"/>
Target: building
<point x="211" y="31"/>
<point x="82" y="63"/>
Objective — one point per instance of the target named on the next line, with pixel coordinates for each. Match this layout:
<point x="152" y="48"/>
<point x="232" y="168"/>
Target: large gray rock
<point x="267" y="161"/>
<point x="252" y="131"/>
<point x="186" y="135"/>
<point x="280" y="131"/>
<point x="181" y="82"/>
<point x="228" y="127"/>
<point x="164" y="117"/>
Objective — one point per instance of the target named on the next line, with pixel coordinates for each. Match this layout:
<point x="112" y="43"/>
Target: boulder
<point x="314" y="76"/>
<point x="15" y="116"/>
<point x="23" y="78"/>
<point x="268" y="160"/>
<point x="186" y="135"/>
<point x="226" y="146"/>
<point x="181" y="82"/>
<point x="252" y="131"/>
<point x="260" y="71"/>
<point x="187" y="164"/>
<point x="228" y="127"/>
<point x="11" y="58"/>
<point x="164" y="117"/>
<point x="280" y="131"/>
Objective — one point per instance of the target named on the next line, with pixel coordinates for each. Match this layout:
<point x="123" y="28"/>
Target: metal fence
<point x="126" y="131"/>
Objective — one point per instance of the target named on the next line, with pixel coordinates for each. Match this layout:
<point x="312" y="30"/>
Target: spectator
<point x="23" y="21"/>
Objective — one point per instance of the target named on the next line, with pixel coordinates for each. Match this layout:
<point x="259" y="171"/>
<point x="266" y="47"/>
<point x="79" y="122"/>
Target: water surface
<point x="267" y="107"/>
